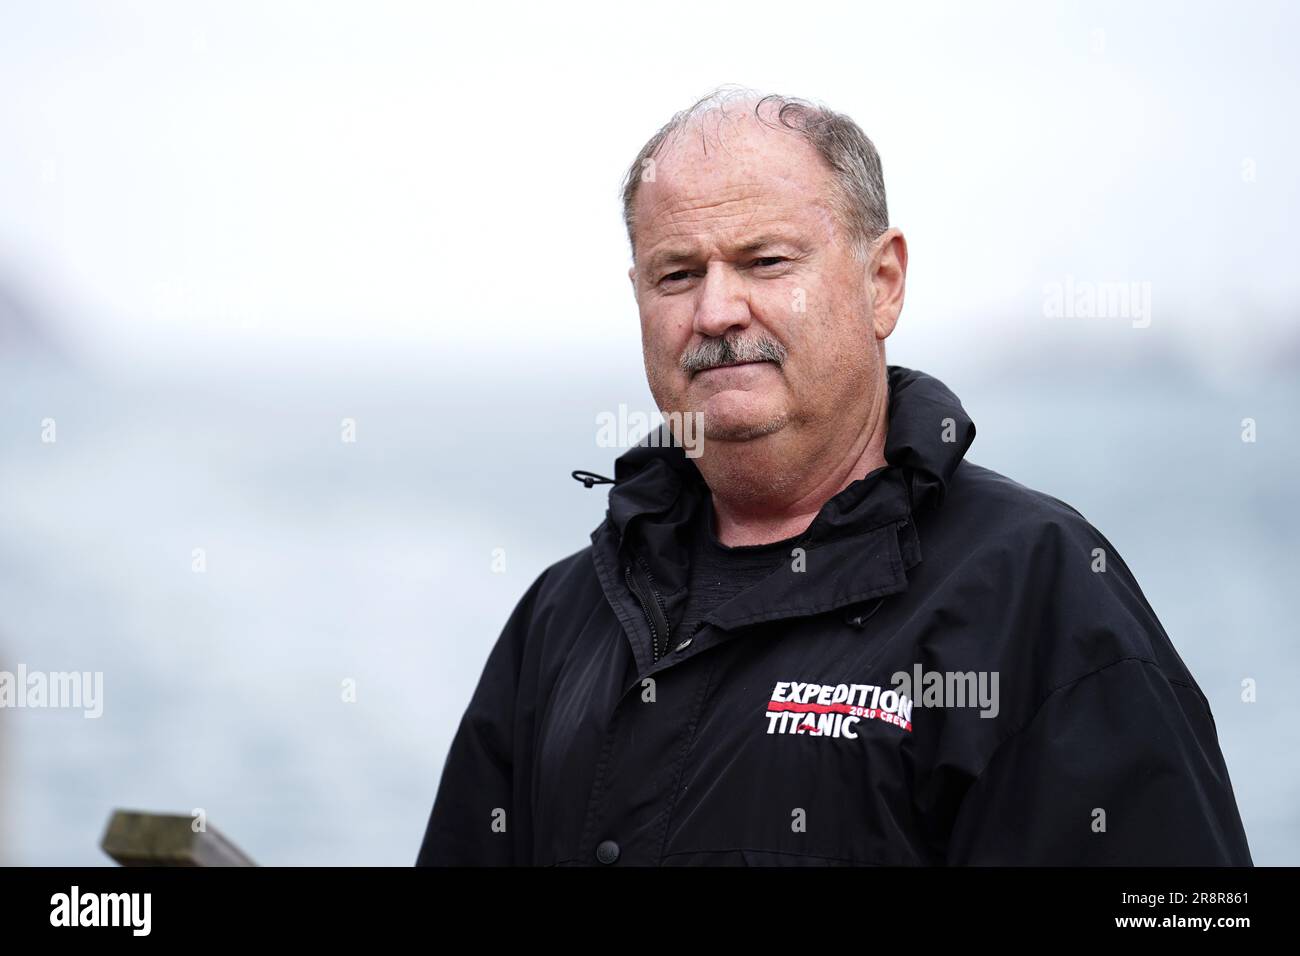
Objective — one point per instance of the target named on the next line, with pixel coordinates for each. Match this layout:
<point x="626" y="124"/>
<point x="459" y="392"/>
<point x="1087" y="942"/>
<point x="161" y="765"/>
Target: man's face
<point x="738" y="245"/>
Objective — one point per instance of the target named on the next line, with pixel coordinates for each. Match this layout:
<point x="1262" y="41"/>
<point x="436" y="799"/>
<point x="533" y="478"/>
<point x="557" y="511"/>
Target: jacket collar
<point x="858" y="547"/>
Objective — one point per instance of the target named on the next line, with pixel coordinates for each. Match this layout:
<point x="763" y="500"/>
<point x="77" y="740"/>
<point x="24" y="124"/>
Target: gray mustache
<point x="728" y="351"/>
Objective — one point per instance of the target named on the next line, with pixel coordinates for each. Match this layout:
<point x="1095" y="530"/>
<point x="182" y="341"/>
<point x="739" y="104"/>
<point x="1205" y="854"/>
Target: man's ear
<point x="887" y="273"/>
<point x="631" y="275"/>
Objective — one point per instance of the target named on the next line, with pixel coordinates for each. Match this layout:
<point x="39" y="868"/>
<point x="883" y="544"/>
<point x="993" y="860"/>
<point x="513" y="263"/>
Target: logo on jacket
<point x="834" y="710"/>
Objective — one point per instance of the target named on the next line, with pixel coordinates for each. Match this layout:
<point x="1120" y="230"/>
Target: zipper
<point x="653" y="608"/>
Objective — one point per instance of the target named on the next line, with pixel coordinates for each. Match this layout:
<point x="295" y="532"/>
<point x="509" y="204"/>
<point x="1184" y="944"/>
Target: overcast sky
<point x="232" y="179"/>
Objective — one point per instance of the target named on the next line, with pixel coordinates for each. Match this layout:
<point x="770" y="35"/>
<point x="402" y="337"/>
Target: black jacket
<point x="778" y="733"/>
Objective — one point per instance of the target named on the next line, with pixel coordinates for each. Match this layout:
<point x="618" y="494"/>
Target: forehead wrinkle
<point x="743" y="238"/>
<point x="687" y="200"/>
<point x="693" y="220"/>
<point x="793" y="216"/>
<point x="677" y="223"/>
<point x="742" y="201"/>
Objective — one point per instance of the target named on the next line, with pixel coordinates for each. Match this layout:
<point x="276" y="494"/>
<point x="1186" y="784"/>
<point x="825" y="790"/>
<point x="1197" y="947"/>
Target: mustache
<point x="713" y="353"/>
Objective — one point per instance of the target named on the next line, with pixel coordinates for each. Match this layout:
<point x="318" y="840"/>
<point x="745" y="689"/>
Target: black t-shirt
<point x="719" y="573"/>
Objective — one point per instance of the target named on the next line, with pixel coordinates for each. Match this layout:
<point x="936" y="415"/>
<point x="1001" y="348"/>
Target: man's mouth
<point x="714" y="368"/>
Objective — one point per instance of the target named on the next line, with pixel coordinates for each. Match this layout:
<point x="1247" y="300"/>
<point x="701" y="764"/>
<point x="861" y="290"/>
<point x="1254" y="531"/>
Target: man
<point x="828" y="638"/>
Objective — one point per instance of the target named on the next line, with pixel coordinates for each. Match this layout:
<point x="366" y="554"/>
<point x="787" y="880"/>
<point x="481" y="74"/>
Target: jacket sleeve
<point x="1120" y="767"/>
<point x="480" y="815"/>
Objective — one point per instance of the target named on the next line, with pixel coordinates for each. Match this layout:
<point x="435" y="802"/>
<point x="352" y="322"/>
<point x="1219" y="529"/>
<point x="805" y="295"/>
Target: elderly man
<point x="828" y="638"/>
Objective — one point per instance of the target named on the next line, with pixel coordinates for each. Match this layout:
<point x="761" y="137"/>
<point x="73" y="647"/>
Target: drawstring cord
<point x="589" y="478"/>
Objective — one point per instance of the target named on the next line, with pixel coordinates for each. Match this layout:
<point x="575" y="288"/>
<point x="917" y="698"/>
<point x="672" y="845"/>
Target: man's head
<point x="765" y="271"/>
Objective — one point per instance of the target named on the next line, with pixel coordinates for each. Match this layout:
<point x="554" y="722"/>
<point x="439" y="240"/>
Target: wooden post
<point x="162" y="839"/>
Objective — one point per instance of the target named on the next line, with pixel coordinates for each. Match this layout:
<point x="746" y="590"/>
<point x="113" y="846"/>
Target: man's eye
<point x="765" y="261"/>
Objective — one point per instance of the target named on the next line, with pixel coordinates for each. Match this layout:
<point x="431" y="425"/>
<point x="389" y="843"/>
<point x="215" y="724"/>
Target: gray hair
<point x="859" y="200"/>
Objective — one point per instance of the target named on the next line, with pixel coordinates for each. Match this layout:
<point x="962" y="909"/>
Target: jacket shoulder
<point x="1061" y="577"/>
<point x="992" y="512"/>
<point x="565" y="591"/>
<point x="568" y="578"/>
<point x="1012" y="505"/>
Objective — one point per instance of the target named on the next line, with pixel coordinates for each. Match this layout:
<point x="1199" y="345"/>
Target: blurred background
<point x="235" y="235"/>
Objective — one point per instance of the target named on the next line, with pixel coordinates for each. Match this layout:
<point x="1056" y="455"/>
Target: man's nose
<point x="723" y="302"/>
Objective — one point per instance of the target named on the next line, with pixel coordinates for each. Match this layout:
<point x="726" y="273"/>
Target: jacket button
<point x="607" y="852"/>
<point x="684" y="644"/>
